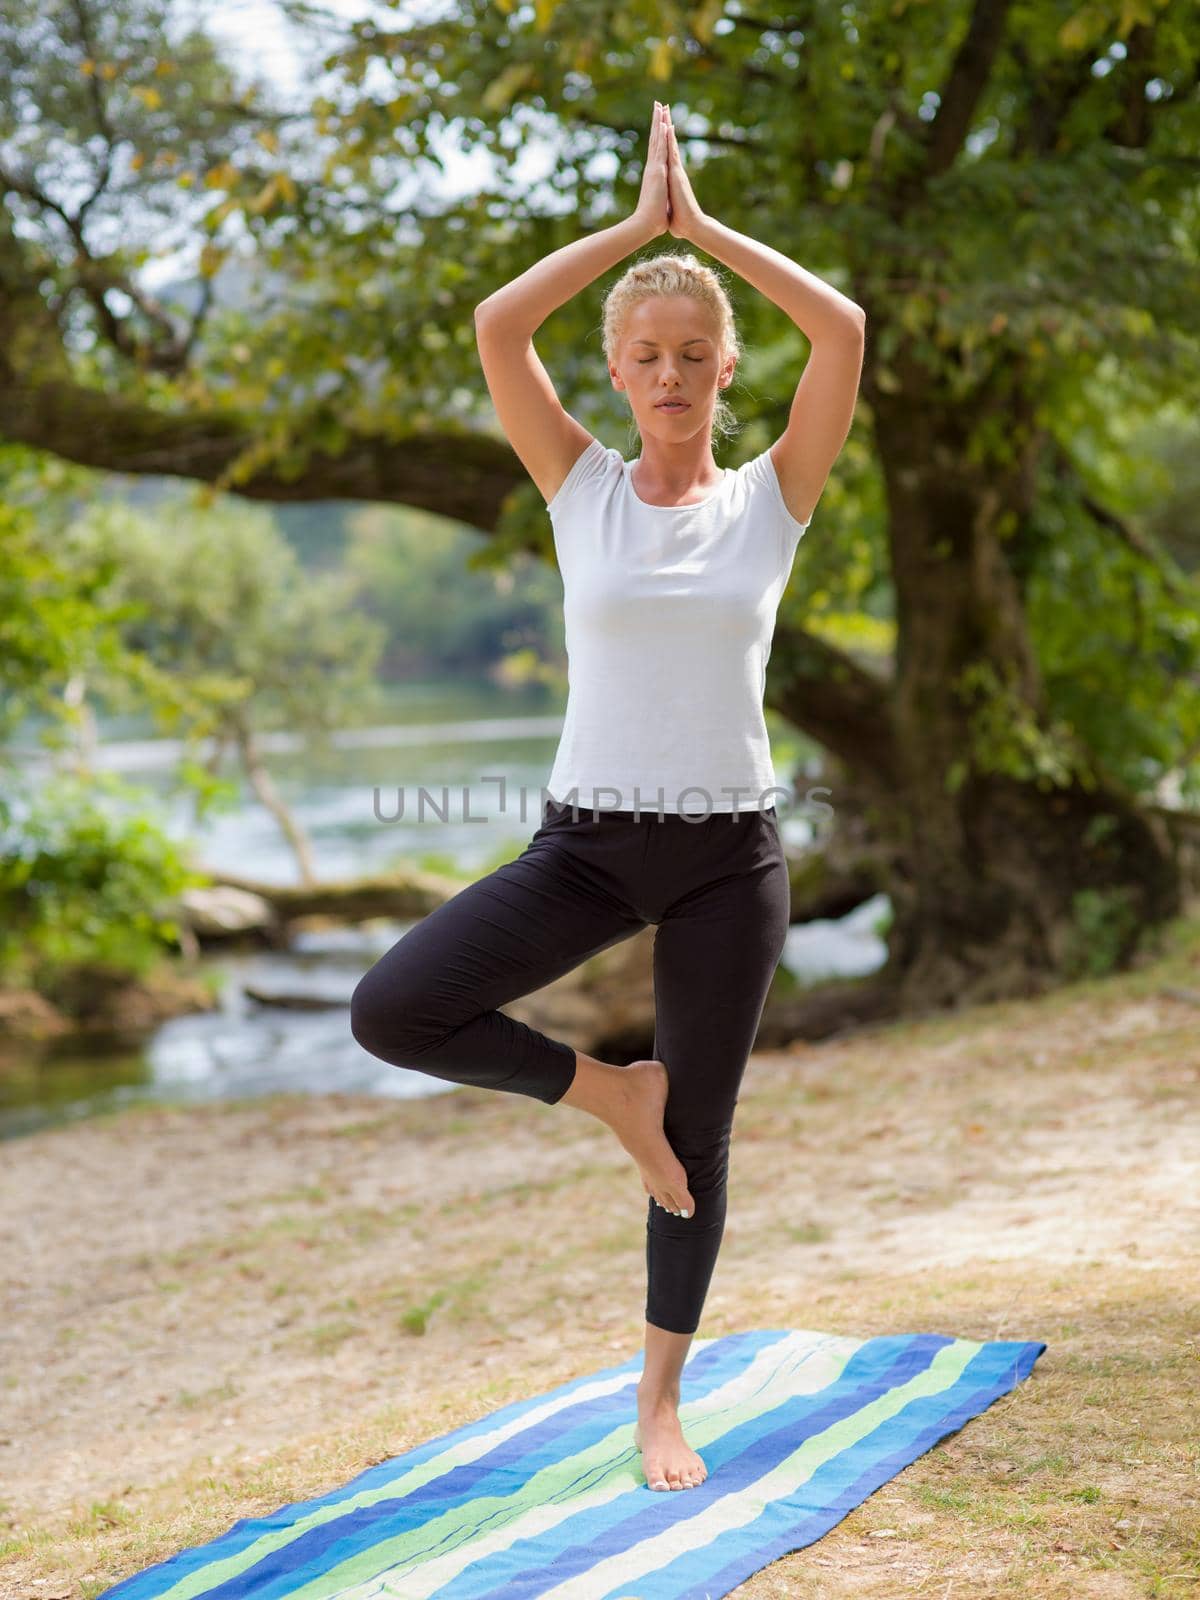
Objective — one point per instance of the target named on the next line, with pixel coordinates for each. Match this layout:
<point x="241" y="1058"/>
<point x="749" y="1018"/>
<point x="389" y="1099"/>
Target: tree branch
<point x="95" y="277"/>
<point x="103" y="124"/>
<point x="1104" y="517"/>
<point x="459" y="475"/>
<point x="841" y="705"/>
<point x="464" y="476"/>
<point x="965" y="83"/>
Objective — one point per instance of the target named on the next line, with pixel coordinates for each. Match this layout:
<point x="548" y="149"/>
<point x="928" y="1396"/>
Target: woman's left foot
<point x="668" y="1460"/>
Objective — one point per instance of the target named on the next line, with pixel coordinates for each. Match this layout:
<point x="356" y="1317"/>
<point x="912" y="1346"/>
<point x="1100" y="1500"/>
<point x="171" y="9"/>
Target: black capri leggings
<point x="716" y="887"/>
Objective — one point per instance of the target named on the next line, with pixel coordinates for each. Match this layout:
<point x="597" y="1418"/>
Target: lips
<point x="671" y="405"/>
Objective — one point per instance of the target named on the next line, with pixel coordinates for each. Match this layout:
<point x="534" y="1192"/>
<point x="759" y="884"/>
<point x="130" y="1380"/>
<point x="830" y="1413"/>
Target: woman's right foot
<point x="639" y="1126"/>
<point x="631" y="1101"/>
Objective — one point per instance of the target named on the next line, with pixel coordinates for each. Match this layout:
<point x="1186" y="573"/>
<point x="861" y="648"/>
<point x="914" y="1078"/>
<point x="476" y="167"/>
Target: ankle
<point x="595" y="1088"/>
<point x="650" y="1398"/>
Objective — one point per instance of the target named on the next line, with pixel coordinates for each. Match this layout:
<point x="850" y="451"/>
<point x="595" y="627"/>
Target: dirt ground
<point x="213" y="1311"/>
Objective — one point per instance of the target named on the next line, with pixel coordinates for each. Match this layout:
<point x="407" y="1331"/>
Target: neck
<point x="677" y="467"/>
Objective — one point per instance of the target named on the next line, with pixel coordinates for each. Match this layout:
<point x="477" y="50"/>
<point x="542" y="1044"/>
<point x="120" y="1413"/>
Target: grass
<point x="395" y="1270"/>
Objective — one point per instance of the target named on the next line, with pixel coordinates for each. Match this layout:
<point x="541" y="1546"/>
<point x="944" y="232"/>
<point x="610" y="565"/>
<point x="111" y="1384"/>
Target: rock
<point x="27" y="1017"/>
<point x="221" y="910"/>
<point x="294" y="1001"/>
<point x="93" y="1003"/>
<point x="101" y="1001"/>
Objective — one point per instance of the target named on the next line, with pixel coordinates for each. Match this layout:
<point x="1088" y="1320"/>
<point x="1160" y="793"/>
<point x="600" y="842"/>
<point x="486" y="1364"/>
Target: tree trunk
<point x="1022" y="864"/>
<point x="264" y="788"/>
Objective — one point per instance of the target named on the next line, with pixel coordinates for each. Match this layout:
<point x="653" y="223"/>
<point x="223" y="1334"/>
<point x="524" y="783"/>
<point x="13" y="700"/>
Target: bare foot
<point x="638" y="1124"/>
<point x="668" y="1461"/>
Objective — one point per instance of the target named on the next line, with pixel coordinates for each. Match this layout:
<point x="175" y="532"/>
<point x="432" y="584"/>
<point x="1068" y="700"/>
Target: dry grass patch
<point x="230" y="1307"/>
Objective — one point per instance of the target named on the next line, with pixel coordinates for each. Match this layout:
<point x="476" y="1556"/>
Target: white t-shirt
<point x="669" y="614"/>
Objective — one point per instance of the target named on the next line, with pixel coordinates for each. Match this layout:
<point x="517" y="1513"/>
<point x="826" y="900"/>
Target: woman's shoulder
<point x="762" y="479"/>
<point x="595" y="462"/>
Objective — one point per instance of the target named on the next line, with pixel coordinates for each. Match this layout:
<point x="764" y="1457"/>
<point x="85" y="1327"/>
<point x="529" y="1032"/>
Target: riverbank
<point x="222" y="1308"/>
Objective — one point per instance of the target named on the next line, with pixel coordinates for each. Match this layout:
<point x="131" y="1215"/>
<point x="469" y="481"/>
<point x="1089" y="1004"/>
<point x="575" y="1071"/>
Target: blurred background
<point x="266" y="558"/>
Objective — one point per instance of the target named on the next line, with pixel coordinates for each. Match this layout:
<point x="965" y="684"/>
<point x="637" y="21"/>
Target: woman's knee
<point x="369" y="1017"/>
<point x="386" y="1018"/>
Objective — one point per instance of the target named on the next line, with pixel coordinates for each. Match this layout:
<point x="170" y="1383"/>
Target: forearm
<point x="526" y="302"/>
<point x="816" y="307"/>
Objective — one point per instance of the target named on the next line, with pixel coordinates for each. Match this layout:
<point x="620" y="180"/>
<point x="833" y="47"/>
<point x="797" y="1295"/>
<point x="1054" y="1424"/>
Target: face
<point x="669" y="347"/>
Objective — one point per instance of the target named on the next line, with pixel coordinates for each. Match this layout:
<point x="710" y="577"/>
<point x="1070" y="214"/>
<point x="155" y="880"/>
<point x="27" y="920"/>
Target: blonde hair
<point x="666" y="275"/>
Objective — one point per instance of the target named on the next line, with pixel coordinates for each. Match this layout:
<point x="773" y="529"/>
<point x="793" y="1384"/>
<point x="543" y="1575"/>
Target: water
<point x="243" y="1048"/>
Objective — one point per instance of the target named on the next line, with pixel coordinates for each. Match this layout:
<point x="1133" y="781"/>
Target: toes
<point x="675" y="1479"/>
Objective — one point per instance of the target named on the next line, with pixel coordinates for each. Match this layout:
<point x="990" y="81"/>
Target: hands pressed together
<point x="666" y="201"/>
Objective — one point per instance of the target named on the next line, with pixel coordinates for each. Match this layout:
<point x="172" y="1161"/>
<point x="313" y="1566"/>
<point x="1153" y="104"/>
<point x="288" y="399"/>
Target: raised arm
<point x="547" y="438"/>
<point x="823" y="405"/>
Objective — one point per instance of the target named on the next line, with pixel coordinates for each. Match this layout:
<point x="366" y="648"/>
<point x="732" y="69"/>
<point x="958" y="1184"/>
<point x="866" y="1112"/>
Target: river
<point x="446" y="739"/>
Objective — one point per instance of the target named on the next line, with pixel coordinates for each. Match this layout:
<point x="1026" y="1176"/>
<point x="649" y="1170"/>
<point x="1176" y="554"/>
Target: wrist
<point x="644" y="227"/>
<point x="701" y="231"/>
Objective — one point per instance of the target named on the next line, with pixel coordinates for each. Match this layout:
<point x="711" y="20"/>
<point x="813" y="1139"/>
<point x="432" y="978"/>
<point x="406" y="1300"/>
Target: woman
<point x="672" y="572"/>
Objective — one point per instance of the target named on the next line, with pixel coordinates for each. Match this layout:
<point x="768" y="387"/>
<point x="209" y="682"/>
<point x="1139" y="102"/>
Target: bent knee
<point x="379" y="1017"/>
<point x="368" y="1015"/>
<point x="364" y="1013"/>
<point x="391" y="1022"/>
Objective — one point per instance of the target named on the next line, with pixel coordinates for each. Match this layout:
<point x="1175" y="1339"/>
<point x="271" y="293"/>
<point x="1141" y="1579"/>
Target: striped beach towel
<point x="546" y="1497"/>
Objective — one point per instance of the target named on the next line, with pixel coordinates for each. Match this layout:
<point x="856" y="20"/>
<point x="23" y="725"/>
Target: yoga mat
<point x="546" y="1497"/>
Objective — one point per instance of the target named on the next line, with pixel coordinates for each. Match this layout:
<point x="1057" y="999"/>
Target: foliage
<point x="1104" y="923"/>
<point x="1129" y="689"/>
<point x="444" y="611"/>
<point x="56" y="626"/>
<point x="1011" y="191"/>
<point x="84" y="884"/>
<point x="80" y="884"/>
<point x="216" y="599"/>
<point x="1031" y="226"/>
<point x="199" y="616"/>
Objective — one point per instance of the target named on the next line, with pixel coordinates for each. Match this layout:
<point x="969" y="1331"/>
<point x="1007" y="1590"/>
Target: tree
<point x="1009" y="190"/>
<point x="81" y="884"/>
<point x="213" y="598"/>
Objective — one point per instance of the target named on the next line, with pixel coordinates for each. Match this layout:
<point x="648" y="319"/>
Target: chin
<point x="674" y="426"/>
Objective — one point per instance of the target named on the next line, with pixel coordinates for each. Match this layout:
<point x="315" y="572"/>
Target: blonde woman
<point x="672" y="571"/>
